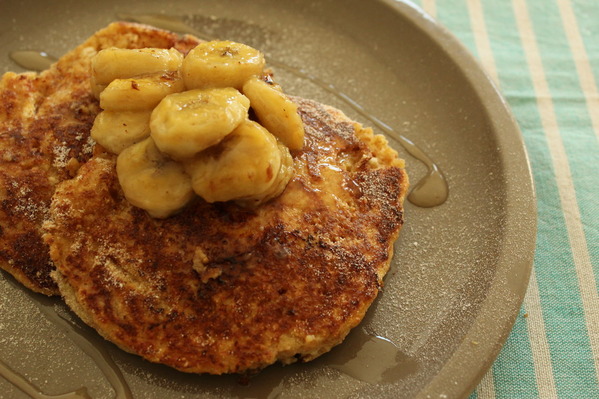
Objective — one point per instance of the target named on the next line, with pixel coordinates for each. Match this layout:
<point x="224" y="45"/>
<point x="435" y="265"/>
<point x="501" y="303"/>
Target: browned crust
<point x="221" y="289"/>
<point x="45" y="120"/>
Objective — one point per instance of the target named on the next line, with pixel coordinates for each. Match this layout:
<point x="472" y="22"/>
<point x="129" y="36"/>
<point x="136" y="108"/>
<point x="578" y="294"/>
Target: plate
<point x="460" y="269"/>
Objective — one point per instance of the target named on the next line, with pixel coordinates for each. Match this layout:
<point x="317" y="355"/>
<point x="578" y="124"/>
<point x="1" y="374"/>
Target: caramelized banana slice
<point x="118" y="63"/>
<point x="276" y="112"/>
<point x="283" y="176"/>
<point x="152" y="181"/>
<point x="242" y="166"/>
<point x="140" y="93"/>
<point x="184" y="124"/>
<point x="116" y="131"/>
<point x="221" y="64"/>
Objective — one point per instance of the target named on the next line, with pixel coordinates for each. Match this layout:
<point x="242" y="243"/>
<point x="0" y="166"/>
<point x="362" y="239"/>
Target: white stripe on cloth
<point x="481" y="38"/>
<point x="486" y="388"/>
<point x="538" y="341"/>
<point x="566" y="190"/>
<point x="581" y="60"/>
<point x="430" y="7"/>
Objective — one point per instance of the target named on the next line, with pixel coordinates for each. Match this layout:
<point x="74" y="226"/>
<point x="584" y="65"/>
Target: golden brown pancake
<point x="219" y="288"/>
<point x="45" y="120"/>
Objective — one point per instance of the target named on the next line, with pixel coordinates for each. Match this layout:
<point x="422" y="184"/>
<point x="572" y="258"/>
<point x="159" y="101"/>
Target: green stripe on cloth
<point x="455" y="18"/>
<point x="516" y="365"/>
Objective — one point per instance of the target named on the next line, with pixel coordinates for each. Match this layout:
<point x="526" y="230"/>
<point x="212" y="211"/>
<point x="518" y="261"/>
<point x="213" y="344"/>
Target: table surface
<point x="544" y="57"/>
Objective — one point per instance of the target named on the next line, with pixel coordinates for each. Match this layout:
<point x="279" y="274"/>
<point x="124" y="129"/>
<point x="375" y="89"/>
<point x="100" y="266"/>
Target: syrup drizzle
<point x="432" y="190"/>
<point x="362" y="356"/>
<point x="85" y="340"/>
<point x="372" y="358"/>
<point x="27" y="387"/>
<point x="91" y="346"/>
<point x="32" y="60"/>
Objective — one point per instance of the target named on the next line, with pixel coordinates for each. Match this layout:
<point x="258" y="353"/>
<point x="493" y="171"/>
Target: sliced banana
<point x="184" y="124"/>
<point x="173" y="144"/>
<point x="116" y="131"/>
<point x="152" y="181"/>
<point x="140" y="93"/>
<point x="276" y="112"/>
<point x="221" y="64"/>
<point x="282" y="178"/>
<point x="240" y="167"/>
<point x="118" y="63"/>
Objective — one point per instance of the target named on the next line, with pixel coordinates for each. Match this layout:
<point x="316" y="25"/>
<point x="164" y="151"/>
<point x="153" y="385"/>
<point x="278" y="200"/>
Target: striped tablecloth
<point x="544" y="57"/>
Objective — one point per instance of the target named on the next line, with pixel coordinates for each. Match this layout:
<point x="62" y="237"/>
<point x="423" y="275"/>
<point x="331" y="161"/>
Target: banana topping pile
<point x="181" y="125"/>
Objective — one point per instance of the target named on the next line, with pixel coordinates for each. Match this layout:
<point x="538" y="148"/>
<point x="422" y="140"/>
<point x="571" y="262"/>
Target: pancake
<point x="219" y="288"/>
<point x="45" y="120"/>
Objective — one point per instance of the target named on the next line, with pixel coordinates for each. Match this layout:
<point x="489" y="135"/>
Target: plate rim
<point x="515" y="268"/>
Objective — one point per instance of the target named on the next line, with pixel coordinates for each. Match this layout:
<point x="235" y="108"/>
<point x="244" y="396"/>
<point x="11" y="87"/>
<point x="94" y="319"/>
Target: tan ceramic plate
<point x="460" y="270"/>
